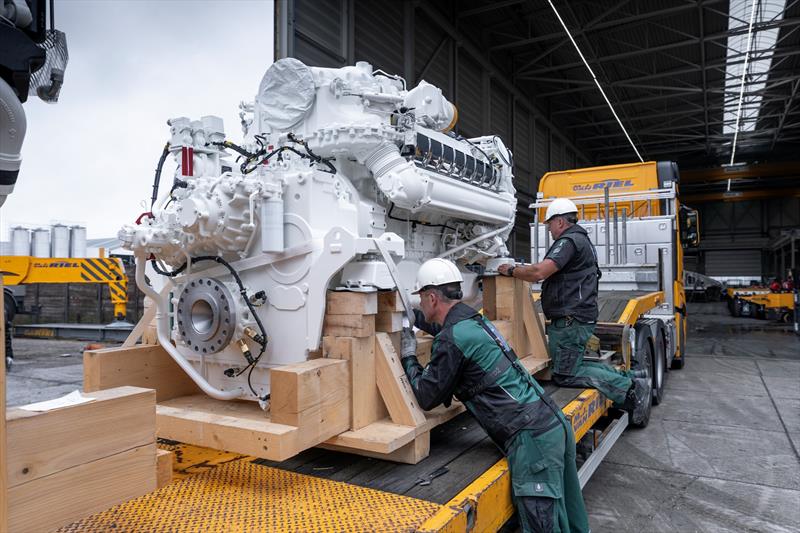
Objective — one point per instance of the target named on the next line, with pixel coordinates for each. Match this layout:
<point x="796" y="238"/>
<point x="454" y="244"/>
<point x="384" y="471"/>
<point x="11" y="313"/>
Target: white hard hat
<point x="560" y="206"/>
<point x="435" y="272"/>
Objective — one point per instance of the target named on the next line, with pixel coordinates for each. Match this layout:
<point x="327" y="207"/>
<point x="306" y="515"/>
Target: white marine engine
<point x="345" y="180"/>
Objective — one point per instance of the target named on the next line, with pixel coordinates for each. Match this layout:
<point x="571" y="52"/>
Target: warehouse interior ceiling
<point x="671" y="69"/>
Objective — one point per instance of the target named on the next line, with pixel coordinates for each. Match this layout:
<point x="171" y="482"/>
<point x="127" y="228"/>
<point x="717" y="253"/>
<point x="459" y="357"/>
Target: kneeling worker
<point x="569" y="301"/>
<point x="471" y="361"/>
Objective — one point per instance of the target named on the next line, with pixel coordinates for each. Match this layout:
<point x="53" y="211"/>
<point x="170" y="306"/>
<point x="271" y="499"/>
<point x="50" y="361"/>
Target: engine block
<point x="337" y="166"/>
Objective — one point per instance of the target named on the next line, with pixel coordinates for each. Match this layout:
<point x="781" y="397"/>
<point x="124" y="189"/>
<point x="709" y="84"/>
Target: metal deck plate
<point x="239" y="496"/>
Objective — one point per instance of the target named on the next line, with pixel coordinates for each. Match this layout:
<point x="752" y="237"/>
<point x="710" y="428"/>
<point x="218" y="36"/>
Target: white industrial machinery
<point x="345" y="180"/>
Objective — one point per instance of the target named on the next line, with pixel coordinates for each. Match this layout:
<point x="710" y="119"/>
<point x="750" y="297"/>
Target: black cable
<point x="157" y="177"/>
<point x="314" y="157"/>
<point x="420" y="222"/>
<point x="242" y="292"/>
<point x="235" y="147"/>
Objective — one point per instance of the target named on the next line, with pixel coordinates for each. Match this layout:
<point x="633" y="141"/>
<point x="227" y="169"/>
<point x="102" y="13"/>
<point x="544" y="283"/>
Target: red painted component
<point x="187" y="161"/>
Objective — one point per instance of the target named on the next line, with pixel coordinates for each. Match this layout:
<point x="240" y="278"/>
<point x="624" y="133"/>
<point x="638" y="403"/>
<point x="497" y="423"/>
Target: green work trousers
<point x="567" y="338"/>
<point x="544" y="481"/>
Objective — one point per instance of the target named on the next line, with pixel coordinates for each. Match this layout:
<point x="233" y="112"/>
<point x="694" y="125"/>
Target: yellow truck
<point x="26" y="270"/>
<point x="634" y="217"/>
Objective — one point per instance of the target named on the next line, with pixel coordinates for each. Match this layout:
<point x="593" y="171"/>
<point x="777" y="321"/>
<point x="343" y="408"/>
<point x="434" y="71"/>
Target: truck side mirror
<point x="689" y="227"/>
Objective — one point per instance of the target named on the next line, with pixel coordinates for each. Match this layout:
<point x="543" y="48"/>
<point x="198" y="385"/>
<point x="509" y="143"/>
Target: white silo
<point x="40" y="242"/>
<point x="59" y="240"/>
<point x="20" y="241"/>
<point x="77" y="241"/>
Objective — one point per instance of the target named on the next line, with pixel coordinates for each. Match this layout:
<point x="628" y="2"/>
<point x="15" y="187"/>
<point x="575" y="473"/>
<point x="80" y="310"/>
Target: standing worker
<point x="569" y="301"/>
<point x="471" y="361"/>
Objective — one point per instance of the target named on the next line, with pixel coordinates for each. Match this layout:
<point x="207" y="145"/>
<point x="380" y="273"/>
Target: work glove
<point x="408" y="343"/>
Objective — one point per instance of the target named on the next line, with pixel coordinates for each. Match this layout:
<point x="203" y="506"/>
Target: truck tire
<point x="659" y="367"/>
<point x="9" y="306"/>
<point x="643" y="361"/>
<point x="678" y="363"/>
<point x="736" y="308"/>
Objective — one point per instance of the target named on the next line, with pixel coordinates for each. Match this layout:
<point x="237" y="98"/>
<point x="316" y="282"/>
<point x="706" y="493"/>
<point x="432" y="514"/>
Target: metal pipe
<point x="476" y="240"/>
<point x="162" y="326"/>
<point x="535" y="258"/>
<point x="624" y="236"/>
<point x="608" y="228"/>
<point x="616" y="236"/>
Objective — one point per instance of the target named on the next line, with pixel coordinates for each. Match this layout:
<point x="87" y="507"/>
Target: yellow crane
<point x="26" y="270"/>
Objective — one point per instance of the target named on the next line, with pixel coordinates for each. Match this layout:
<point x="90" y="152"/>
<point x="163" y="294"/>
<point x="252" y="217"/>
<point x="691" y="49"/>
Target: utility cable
<point x="594" y="78"/>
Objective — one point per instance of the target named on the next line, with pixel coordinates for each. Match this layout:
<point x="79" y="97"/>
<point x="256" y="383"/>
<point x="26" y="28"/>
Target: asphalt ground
<point x="720" y="453"/>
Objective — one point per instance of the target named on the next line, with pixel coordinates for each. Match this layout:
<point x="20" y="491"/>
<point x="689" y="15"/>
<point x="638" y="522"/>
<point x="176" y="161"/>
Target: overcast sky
<point x="90" y="158"/>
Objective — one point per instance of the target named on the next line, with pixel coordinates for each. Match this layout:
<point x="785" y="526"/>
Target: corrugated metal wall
<point x="386" y="33"/>
<point x="735" y="236"/>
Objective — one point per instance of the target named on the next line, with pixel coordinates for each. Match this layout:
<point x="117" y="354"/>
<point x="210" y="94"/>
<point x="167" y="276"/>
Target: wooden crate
<point x="105" y="448"/>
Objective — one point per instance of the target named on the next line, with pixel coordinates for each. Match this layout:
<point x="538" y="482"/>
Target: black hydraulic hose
<point x="157" y="178"/>
<point x="263" y="341"/>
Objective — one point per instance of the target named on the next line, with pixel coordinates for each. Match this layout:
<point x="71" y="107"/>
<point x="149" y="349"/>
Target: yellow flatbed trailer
<point x="321" y="490"/>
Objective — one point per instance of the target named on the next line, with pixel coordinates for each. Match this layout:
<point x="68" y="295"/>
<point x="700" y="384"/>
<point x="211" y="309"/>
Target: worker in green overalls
<point x="569" y="301"/>
<point x="471" y="361"/>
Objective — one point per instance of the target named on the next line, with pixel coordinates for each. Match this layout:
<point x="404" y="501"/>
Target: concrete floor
<point x="720" y="453"/>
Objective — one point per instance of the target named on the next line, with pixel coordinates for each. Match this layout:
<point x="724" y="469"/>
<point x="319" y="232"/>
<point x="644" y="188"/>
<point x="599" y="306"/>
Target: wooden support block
<point x="534" y="364"/>
<point x="498" y="297"/>
<point x="351" y="303"/>
<point x="367" y="405"/>
<point x="389" y="322"/>
<point x="314" y="396"/>
<point x="424" y="346"/>
<point x="390" y="302"/>
<point x="519" y="299"/>
<point x="415" y="451"/>
<point x="506" y="329"/>
<point x="382" y="437"/>
<point x="43" y="443"/>
<point x="534" y="328"/>
<point x="164" y="462"/>
<point x="67" y="463"/>
<point x="137" y="366"/>
<point x="394" y="386"/>
<point x="349" y="325"/>
<point x="63" y="497"/>
<point x="234" y="426"/>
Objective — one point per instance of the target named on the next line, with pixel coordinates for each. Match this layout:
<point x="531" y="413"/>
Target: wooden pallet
<point x="352" y="395"/>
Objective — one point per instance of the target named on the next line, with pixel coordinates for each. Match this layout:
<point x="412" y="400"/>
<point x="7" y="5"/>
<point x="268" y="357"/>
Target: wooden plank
<point x="3" y="441"/>
<point x="351" y="303"/>
<point x="533" y="326"/>
<point x="394" y="386"/>
<point x="164" y="462"/>
<point x="389" y="322"/>
<point x="498" y="297"/>
<point x="534" y="364"/>
<point x="139" y="366"/>
<point x="239" y="427"/>
<point x="506" y="329"/>
<point x="349" y="325"/>
<point x="66" y="496"/>
<point x="381" y="437"/>
<point x="424" y="346"/>
<point x="519" y="299"/>
<point x="314" y="396"/>
<point x="411" y="453"/>
<point x="390" y="302"/>
<point x="43" y="443"/>
<point x="366" y="403"/>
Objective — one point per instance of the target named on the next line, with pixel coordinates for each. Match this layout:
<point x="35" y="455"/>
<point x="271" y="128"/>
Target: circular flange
<point x="206" y="315"/>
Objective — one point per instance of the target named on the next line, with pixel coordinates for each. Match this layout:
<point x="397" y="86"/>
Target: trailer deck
<point x="228" y="492"/>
